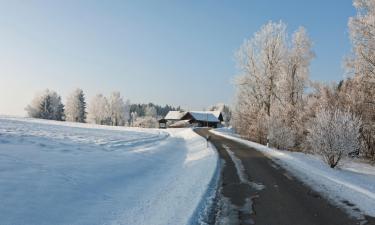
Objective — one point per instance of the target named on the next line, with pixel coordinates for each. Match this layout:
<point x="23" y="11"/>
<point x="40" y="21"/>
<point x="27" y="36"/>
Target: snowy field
<point x="351" y="185"/>
<point x="68" y="173"/>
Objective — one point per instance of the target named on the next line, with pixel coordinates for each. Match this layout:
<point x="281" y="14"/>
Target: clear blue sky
<point x="167" y="52"/>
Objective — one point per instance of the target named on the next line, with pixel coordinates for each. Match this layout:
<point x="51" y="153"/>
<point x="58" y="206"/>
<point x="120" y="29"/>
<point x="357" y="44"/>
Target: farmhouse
<point x="194" y="119"/>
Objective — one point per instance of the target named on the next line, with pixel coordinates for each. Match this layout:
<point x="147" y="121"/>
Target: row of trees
<point x="106" y="111"/>
<point x="48" y="105"/>
<point x="273" y="105"/>
<point x="147" y="115"/>
<point x="161" y="111"/>
<point x="112" y="110"/>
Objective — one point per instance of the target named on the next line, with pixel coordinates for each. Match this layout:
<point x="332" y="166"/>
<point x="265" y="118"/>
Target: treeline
<point x="147" y="115"/>
<point x="113" y="110"/>
<point x="273" y="105"/>
<point x="161" y="111"/>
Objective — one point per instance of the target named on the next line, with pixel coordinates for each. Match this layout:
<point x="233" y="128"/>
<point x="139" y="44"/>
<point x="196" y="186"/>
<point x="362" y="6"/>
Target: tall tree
<point x="274" y="73"/>
<point x="119" y="110"/>
<point x="98" y="110"/>
<point x="287" y="125"/>
<point x="151" y="111"/>
<point x="76" y="107"/>
<point x="296" y="69"/>
<point x="260" y="61"/>
<point x="360" y="90"/>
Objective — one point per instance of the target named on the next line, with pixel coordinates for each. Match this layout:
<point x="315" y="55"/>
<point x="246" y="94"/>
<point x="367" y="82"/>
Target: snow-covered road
<point x="68" y="173"/>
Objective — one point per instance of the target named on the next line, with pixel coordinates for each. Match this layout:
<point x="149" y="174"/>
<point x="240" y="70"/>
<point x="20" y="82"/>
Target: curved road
<point x="283" y="201"/>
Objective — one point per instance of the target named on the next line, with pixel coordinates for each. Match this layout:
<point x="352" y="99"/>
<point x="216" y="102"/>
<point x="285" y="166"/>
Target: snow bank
<point x="68" y="173"/>
<point x="351" y="186"/>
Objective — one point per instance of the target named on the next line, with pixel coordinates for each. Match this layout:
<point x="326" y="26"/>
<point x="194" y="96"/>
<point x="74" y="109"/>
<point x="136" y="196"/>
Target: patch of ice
<point x="230" y="214"/>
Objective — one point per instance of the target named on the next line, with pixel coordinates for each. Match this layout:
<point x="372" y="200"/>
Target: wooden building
<point x="194" y="119"/>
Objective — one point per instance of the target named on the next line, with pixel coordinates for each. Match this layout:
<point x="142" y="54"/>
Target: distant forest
<point x="161" y="111"/>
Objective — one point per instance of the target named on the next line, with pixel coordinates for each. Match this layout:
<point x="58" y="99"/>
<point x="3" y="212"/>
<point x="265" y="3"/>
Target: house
<point x="194" y="119"/>
<point x="202" y="119"/>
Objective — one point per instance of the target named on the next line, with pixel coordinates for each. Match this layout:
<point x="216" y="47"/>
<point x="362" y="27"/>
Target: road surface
<point x="283" y="201"/>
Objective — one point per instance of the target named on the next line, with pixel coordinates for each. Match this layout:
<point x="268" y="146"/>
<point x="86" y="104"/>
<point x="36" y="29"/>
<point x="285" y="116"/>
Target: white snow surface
<point x="69" y="173"/>
<point x="351" y="181"/>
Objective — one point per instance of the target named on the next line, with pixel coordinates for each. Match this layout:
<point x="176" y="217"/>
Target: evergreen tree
<point x="76" y="107"/>
<point x="46" y="108"/>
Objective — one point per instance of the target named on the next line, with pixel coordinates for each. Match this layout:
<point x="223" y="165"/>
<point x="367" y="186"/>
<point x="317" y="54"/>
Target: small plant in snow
<point x="333" y="134"/>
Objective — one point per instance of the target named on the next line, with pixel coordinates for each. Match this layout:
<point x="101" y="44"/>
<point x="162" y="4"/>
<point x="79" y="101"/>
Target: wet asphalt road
<point x="283" y="201"/>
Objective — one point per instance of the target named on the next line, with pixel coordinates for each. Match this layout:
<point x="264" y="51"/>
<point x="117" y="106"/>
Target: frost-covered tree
<point x="260" y="60"/>
<point x="33" y="109"/>
<point x="133" y="118"/>
<point x="75" y="108"/>
<point x="286" y="128"/>
<point x="118" y="109"/>
<point x="150" y="118"/>
<point x="98" y="110"/>
<point x="359" y="91"/>
<point x="274" y="73"/>
<point x="362" y="34"/>
<point x="296" y="68"/>
<point x="46" y="105"/>
<point x="354" y="94"/>
<point x="150" y="112"/>
<point x="334" y="134"/>
<point x="280" y="135"/>
<point x="296" y="74"/>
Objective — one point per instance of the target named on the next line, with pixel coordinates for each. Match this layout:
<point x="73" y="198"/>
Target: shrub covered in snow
<point x="333" y="134"/>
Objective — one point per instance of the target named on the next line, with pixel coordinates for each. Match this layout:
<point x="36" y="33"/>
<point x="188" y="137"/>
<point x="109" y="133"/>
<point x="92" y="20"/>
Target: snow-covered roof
<point x="216" y="113"/>
<point x="204" y="116"/>
<point x="174" y="115"/>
